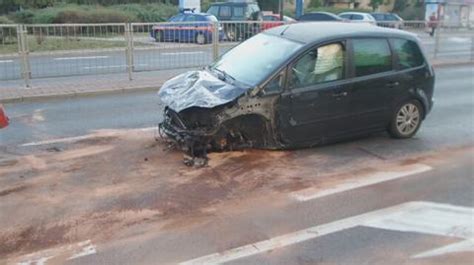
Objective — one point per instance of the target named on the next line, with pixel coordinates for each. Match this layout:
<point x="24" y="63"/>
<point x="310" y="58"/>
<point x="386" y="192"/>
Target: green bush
<point x="149" y="12"/>
<point x="413" y="13"/>
<point x="315" y="3"/>
<point x="5" y="20"/>
<point x="7" y="35"/>
<point x="96" y="14"/>
<point x="23" y="17"/>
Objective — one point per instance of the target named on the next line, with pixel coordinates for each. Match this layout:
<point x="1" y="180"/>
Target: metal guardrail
<point x="37" y="51"/>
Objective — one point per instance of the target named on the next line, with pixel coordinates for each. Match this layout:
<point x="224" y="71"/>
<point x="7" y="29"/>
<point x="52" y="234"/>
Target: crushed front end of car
<point x="203" y="113"/>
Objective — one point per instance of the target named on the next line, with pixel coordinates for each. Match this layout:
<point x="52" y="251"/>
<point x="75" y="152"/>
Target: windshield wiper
<point x="223" y="75"/>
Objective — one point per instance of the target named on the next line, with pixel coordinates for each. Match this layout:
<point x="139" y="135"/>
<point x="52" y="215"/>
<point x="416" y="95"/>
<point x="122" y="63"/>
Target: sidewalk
<point x="15" y="91"/>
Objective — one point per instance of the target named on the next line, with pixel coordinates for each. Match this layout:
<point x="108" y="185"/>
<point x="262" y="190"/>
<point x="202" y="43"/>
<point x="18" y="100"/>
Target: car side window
<point x="225" y="11"/>
<point x="408" y="53"/>
<point x="177" y="18"/>
<point x="190" y="18"/>
<point x="357" y="17"/>
<point x="371" y="56"/>
<point x="320" y="65"/>
<point x="275" y="85"/>
<point x="238" y="11"/>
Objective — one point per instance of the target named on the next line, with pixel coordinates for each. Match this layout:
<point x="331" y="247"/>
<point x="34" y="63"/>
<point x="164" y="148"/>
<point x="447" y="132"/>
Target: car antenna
<point x="283" y="31"/>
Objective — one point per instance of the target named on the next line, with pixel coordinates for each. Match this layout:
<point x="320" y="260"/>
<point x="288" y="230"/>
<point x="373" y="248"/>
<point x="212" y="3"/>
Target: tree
<point x="315" y="3"/>
<point x="375" y="4"/>
<point x="400" y="5"/>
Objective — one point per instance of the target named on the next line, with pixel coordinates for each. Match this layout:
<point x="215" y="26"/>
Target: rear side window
<point x="346" y="16"/>
<point x="225" y="11"/>
<point x="238" y="11"/>
<point x="371" y="56"/>
<point x="357" y="17"/>
<point x="408" y="53"/>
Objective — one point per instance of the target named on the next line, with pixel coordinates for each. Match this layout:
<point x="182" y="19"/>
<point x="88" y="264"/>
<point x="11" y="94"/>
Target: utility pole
<point x="299" y="8"/>
<point x="281" y="6"/>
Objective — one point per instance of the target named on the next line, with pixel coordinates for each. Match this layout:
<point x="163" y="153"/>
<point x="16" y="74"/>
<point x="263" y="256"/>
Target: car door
<point x="189" y="29"/>
<point x="374" y="81"/>
<point x="315" y="104"/>
<point x="171" y="31"/>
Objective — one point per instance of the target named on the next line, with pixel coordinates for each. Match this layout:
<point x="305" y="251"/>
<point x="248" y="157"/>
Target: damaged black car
<point x="301" y="85"/>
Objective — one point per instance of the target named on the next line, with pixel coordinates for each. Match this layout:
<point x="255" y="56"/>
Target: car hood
<point x="197" y="89"/>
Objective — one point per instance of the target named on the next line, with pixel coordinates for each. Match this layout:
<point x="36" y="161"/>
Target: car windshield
<point x="256" y="58"/>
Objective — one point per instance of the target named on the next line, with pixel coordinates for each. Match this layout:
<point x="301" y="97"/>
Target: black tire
<point x="200" y="38"/>
<point x="231" y="34"/>
<point x="159" y="36"/>
<point x="406" y="120"/>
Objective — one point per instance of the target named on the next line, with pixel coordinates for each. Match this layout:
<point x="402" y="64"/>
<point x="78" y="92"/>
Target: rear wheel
<point x="406" y="120"/>
<point x="201" y="38"/>
<point x="159" y="36"/>
<point x="231" y="33"/>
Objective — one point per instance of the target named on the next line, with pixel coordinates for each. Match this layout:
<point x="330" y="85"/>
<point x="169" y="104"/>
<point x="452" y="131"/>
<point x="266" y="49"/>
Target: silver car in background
<point x="358" y="17"/>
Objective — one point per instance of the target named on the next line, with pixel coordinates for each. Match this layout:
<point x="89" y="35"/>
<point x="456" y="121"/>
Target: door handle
<point x="393" y="84"/>
<point x="341" y="94"/>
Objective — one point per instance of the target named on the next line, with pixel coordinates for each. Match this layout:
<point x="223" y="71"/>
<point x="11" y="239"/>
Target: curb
<point x="79" y="94"/>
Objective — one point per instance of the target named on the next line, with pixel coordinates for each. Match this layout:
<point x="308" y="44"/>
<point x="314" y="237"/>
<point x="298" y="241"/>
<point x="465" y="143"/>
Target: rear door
<point x="315" y="105"/>
<point x="374" y="82"/>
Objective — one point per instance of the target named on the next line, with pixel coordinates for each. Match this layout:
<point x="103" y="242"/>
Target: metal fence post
<point x="22" y="38"/>
<point x="215" y="41"/>
<point x="437" y="39"/>
<point x="472" y="48"/>
<point x="129" y="49"/>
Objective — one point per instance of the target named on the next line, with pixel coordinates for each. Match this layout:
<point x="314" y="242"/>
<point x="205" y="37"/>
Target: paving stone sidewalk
<point x="16" y="91"/>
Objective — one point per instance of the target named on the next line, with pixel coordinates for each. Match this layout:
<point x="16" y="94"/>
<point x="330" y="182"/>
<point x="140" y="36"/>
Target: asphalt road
<point x="172" y="56"/>
<point x="373" y="200"/>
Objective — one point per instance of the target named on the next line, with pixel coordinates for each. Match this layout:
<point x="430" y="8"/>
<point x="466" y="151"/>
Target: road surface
<point x="117" y="197"/>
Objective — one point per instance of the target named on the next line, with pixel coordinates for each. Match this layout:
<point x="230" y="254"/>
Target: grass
<point x="61" y="44"/>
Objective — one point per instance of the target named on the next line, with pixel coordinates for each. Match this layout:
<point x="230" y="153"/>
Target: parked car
<point x="4" y="121"/>
<point x="388" y="20"/>
<point x="273" y="20"/>
<point x="233" y="14"/>
<point x="320" y="16"/>
<point x="301" y="85"/>
<point x="358" y="17"/>
<point x="187" y="27"/>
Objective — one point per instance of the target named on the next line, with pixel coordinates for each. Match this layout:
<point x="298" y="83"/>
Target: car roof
<point x="352" y="13"/>
<point x="197" y="14"/>
<point x="233" y="3"/>
<point x="311" y="32"/>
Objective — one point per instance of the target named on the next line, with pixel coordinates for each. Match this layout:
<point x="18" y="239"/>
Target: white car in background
<point x="358" y="17"/>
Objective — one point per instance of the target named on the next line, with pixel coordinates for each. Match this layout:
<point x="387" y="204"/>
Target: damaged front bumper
<point x="193" y="142"/>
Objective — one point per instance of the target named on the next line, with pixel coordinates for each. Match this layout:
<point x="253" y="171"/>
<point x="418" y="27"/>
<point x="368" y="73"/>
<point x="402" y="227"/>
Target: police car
<point x="187" y="27"/>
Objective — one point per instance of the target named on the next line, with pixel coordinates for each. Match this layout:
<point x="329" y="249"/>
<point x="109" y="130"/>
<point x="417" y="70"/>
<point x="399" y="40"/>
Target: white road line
<point x="74" y="251"/>
<point x="317" y="231"/>
<point x="354" y="183"/>
<point x="110" y="66"/>
<point x="6" y="61"/>
<point x="87" y="249"/>
<point x="179" y="53"/>
<point x="463" y="246"/>
<point x="80" y="58"/>
<point x="76" y="138"/>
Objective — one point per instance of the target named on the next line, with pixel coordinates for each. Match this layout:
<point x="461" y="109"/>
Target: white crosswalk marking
<point x="448" y="220"/>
